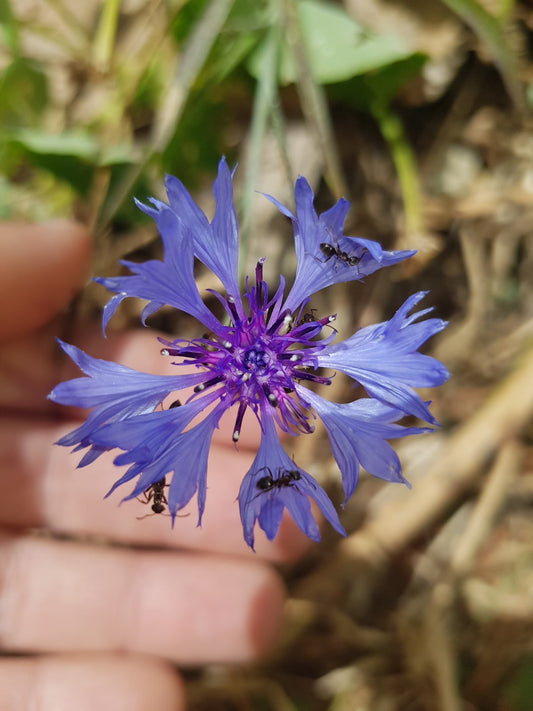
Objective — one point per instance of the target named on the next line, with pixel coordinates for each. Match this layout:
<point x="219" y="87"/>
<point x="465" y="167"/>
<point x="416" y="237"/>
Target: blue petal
<point x="168" y="282"/>
<point x="266" y="506"/>
<point x="314" y="270"/>
<point x="167" y="452"/>
<point x="144" y="437"/>
<point x="357" y="433"/>
<point x="115" y="392"/>
<point x="384" y="359"/>
<point x="109" y="382"/>
<point x="216" y="244"/>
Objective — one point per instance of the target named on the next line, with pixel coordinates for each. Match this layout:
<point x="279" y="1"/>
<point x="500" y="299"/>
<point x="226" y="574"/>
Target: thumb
<point x="41" y="268"/>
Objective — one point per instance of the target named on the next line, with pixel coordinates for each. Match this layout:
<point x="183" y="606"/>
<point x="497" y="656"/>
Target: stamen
<point x="238" y="421"/>
<point x="290" y="356"/>
<point x="197" y="354"/>
<point x="259" y="283"/>
<point x="208" y="383"/>
<point x="302" y="375"/>
<point x="272" y="399"/>
<point x="232" y="308"/>
<point x="308" y="330"/>
<point x="284" y="320"/>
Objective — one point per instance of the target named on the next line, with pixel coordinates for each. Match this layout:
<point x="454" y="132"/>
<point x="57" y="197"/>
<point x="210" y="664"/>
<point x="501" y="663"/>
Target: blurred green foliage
<point x="195" y="78"/>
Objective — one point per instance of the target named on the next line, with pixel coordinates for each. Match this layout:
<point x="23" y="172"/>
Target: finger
<point x="85" y="682"/>
<point x="42" y="488"/>
<point x="59" y="596"/>
<point x="41" y="268"/>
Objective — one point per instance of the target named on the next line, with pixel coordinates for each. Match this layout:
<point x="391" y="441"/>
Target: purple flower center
<point x="259" y="356"/>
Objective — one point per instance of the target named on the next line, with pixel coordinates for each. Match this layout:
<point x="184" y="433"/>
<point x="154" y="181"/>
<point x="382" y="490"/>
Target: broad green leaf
<point x="69" y="156"/>
<point x="72" y="143"/>
<point x="338" y="48"/>
<point x="379" y="86"/>
<point x="79" y="145"/>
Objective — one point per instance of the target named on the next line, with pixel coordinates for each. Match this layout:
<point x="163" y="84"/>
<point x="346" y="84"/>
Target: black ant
<point x="329" y="251"/>
<point x="308" y="317"/>
<point x="285" y="478"/>
<point x="156" y="494"/>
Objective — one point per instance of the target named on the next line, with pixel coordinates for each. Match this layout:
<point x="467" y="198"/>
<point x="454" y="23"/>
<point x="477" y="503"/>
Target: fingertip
<point x="42" y="266"/>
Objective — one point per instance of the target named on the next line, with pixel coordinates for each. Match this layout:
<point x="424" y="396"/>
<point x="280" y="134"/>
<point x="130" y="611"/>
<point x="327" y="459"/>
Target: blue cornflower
<point x="262" y="355"/>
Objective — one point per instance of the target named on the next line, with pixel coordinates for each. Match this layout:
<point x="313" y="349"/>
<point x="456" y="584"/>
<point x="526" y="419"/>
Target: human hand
<point x="114" y="617"/>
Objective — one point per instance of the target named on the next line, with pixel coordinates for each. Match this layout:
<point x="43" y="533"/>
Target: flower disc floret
<point x="259" y="358"/>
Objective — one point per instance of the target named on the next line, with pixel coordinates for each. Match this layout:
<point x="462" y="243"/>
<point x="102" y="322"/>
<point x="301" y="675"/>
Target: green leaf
<point x="69" y="156"/>
<point x="338" y="48"/>
<point x="380" y="86"/>
<point x="79" y="145"/>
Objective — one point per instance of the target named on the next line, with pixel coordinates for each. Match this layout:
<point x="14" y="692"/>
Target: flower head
<point x="263" y="355"/>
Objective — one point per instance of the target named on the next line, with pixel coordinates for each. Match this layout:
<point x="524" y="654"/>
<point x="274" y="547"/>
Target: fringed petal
<point x="357" y="434"/>
<point x="383" y="358"/>
<point x="168" y="282"/>
<point x="324" y="254"/>
<point x="273" y="483"/>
